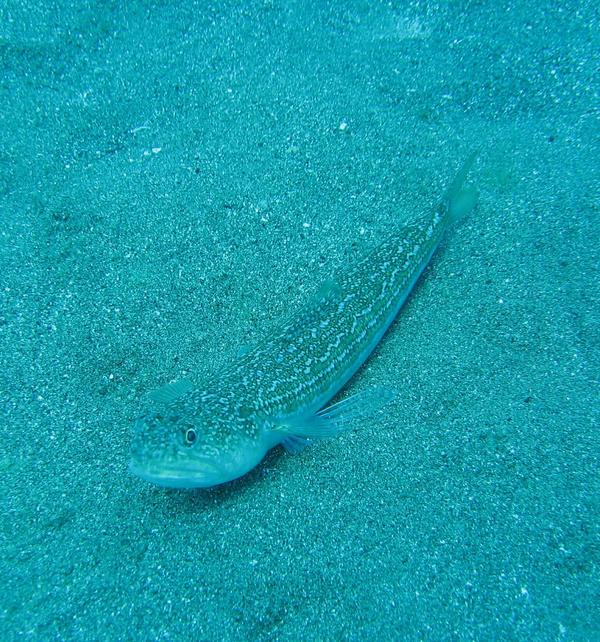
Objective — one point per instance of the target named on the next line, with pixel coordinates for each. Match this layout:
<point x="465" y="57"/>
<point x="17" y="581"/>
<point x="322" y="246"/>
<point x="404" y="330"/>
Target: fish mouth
<point x="202" y="475"/>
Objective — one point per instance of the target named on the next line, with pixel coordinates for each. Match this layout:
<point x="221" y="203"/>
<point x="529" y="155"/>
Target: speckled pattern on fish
<point x="202" y="436"/>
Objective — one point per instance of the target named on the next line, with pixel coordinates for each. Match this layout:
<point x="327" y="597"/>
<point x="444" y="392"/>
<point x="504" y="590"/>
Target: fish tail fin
<point x="459" y="199"/>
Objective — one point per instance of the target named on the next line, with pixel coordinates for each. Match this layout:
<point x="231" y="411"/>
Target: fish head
<point x="195" y="443"/>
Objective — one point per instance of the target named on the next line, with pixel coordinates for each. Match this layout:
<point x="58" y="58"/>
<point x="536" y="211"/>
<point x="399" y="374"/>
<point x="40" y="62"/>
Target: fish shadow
<point x="196" y="500"/>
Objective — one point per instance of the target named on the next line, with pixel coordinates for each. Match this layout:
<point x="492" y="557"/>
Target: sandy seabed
<point x="176" y="178"/>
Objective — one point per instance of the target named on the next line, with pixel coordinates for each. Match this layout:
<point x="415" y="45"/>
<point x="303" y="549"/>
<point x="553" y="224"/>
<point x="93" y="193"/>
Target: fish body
<point x="276" y="393"/>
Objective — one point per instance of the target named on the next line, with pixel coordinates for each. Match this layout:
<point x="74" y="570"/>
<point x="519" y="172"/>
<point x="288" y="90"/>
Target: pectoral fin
<point x="339" y="417"/>
<point x="295" y="445"/>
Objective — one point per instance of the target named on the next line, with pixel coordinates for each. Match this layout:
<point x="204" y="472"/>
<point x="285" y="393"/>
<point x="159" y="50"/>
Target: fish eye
<point x="190" y="436"/>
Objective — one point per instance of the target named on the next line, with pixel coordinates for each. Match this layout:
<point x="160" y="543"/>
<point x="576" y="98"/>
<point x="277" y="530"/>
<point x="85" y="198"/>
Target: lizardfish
<point x="277" y="392"/>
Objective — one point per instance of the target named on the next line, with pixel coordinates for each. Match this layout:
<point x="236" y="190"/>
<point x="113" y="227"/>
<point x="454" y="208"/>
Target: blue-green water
<point x="174" y="178"/>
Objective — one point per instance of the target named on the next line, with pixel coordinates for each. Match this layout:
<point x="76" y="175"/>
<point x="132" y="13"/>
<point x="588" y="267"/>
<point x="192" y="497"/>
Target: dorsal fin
<point x="171" y="392"/>
<point x="243" y="351"/>
<point x="328" y="290"/>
